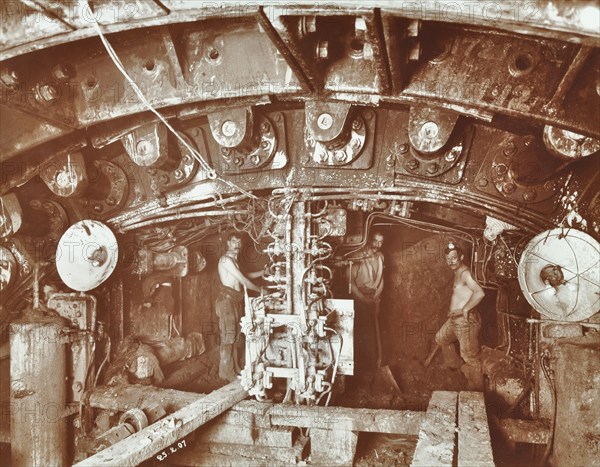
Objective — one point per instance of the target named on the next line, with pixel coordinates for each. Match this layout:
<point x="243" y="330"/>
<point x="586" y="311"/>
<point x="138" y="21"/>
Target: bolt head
<point x="429" y="130"/>
<point x="432" y="167"/>
<point x="228" y="128"/>
<point x="47" y="93"/>
<point x="325" y="121"/>
<point x="62" y="179"/>
<point x="501" y="169"/>
<point x="413" y="164"/>
<point x="60" y="72"/>
<point x="509" y="188"/>
<point x="142" y="147"/>
<point x="323" y="49"/>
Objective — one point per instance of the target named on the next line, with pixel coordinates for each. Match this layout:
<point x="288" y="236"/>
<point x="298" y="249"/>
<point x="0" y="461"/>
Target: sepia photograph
<point x="279" y="233"/>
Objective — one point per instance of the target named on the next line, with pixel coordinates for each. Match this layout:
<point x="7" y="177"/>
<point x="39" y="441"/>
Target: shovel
<point x="383" y="375"/>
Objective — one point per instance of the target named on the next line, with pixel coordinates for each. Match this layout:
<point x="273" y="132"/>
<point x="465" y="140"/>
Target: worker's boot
<point x="474" y="377"/>
<point x="451" y="358"/>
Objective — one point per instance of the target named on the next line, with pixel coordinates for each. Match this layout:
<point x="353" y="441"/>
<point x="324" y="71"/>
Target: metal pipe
<point x="429" y="188"/>
<point x="182" y="216"/>
<point x="185" y="207"/>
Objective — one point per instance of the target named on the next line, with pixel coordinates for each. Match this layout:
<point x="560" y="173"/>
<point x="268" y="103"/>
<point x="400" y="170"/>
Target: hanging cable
<point x="211" y="173"/>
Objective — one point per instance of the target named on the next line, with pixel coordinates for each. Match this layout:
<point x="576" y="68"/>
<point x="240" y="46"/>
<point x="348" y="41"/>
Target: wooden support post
<point x="332" y="447"/>
<point x="474" y="443"/>
<point x="436" y="437"/>
<point x="162" y="434"/>
<point x="340" y="418"/>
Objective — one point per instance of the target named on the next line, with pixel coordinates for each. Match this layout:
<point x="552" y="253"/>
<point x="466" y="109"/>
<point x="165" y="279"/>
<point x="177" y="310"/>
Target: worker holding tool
<point x="366" y="285"/>
<point x="230" y="308"/>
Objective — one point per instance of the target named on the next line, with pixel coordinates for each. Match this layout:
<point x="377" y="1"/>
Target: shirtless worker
<point x="230" y="308"/>
<point x="463" y="322"/>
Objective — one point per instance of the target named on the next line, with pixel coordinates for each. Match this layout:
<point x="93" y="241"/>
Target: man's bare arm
<point x="476" y="296"/>
<point x="255" y="275"/>
<point x="232" y="269"/>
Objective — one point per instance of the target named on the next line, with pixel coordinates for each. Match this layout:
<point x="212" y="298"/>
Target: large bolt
<point x="501" y="169"/>
<point x="510" y="149"/>
<point x="429" y="130"/>
<point x="228" y="128"/>
<point x="142" y="147"/>
<point x="529" y="195"/>
<point x="322" y="49"/>
<point x="10" y="78"/>
<point x="60" y="72"/>
<point x="325" y="121"/>
<point x="62" y="179"/>
<point x="48" y="93"/>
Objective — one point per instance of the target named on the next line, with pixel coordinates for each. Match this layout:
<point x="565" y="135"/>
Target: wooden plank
<point x="200" y="452"/>
<point x="436" y="437"/>
<point x="332" y="447"/>
<point x="209" y="459"/>
<point x="122" y="398"/>
<point x="523" y="431"/>
<point x="248" y="413"/>
<point x="242" y="436"/>
<point x="474" y="442"/>
<point x="160" y="435"/>
<point x="366" y="420"/>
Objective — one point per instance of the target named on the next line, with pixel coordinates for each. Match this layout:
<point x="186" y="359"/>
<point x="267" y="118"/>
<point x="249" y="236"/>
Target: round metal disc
<point x="577" y="295"/>
<point x="86" y="255"/>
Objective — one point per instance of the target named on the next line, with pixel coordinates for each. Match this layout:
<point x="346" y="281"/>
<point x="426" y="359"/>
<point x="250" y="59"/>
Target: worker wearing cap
<point x="463" y="323"/>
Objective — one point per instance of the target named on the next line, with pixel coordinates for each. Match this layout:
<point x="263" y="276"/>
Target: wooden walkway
<point x="221" y="428"/>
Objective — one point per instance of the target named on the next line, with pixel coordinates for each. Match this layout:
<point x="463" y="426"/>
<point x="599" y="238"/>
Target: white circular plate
<point x="578" y="255"/>
<point x="86" y="255"/>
